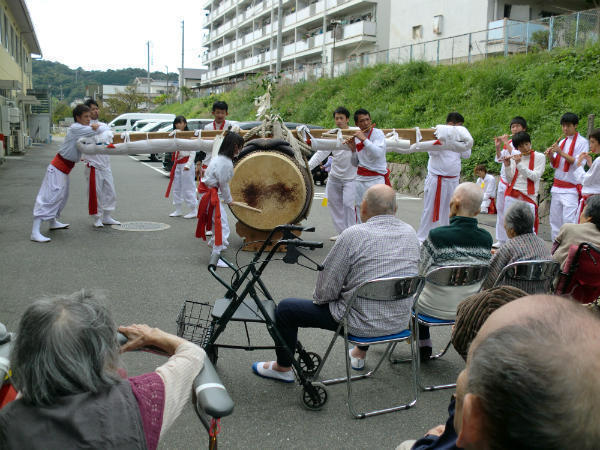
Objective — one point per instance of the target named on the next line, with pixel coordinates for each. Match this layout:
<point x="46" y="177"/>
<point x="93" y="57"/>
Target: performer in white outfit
<point x="565" y="190"/>
<point x="219" y="112"/>
<point x="102" y="197"/>
<point x="443" y="171"/>
<point x="368" y="155"/>
<point x="183" y="177"/>
<point x="487" y="183"/>
<point x="54" y="192"/>
<point x="590" y="180"/>
<point x="340" y="190"/>
<point x="215" y="189"/>
<point x="504" y="149"/>
<point x="523" y="173"/>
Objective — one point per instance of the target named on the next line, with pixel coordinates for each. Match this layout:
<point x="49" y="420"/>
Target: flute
<point x="349" y="138"/>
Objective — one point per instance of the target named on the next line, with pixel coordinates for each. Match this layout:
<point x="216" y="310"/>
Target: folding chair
<point x="580" y="278"/>
<point x="394" y="289"/>
<point x="447" y="277"/>
<point x="533" y="276"/>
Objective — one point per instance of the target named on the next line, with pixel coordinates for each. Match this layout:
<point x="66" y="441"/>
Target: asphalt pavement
<point x="148" y="275"/>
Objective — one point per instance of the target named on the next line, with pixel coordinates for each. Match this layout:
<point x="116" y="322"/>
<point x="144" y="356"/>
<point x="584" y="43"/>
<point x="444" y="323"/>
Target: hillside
<point x="71" y="83"/>
<point x="539" y="87"/>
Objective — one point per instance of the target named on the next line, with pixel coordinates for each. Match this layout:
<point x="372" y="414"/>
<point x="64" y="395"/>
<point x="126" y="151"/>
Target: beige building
<point x="18" y="43"/>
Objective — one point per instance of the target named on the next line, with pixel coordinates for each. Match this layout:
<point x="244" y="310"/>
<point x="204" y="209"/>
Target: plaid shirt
<point x="384" y="246"/>
<point x="520" y="248"/>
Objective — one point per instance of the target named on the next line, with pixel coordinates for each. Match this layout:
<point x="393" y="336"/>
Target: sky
<point x="112" y="34"/>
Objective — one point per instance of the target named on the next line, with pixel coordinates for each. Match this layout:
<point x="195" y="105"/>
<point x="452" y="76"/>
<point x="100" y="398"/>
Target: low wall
<point x="410" y="180"/>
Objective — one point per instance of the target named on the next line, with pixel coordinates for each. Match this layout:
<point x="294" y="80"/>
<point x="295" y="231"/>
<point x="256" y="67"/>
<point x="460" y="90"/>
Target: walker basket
<point x="195" y="322"/>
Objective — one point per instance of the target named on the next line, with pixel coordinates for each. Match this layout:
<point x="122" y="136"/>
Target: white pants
<point x="361" y="184"/>
<point x="510" y="200"/>
<point x="225" y="231"/>
<point x="501" y="236"/>
<point x="53" y="194"/>
<point x="448" y="186"/>
<point x="340" y="200"/>
<point x="563" y="209"/>
<point x="184" y="187"/>
<point x="105" y="189"/>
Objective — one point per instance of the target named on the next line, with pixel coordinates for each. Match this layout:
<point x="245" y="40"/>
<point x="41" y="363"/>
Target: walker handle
<point x="211" y="395"/>
<point x="292" y="227"/>
<point x="301" y="243"/>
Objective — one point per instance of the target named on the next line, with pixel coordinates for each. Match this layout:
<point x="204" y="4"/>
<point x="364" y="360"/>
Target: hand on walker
<point x="141" y="335"/>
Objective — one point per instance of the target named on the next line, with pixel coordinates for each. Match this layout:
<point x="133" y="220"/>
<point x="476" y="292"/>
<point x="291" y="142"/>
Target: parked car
<point x="125" y="122"/>
<point x="193" y="125"/>
<point x="140" y="124"/>
<point x="151" y="127"/>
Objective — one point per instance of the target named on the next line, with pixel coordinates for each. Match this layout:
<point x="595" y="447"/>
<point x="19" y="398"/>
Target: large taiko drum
<point x="269" y="177"/>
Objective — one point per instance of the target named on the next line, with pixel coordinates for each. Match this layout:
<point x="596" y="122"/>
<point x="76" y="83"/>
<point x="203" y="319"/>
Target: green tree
<point x="124" y="102"/>
<point x="60" y="111"/>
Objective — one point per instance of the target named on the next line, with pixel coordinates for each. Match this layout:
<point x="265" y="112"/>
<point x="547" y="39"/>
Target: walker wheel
<point x="309" y="363"/>
<point x="314" y="396"/>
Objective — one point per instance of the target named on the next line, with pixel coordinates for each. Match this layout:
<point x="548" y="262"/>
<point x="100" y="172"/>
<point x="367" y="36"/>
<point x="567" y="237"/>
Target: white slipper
<point x="221" y="263"/>
<point x="285" y="377"/>
<point x="356" y="363"/>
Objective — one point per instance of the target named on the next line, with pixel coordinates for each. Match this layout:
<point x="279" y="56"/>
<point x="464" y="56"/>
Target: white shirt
<point x="488" y="184"/>
<point x="214" y="126"/>
<point x="341" y="165"/>
<point x="507" y="151"/>
<point x="581" y="145"/>
<point x="68" y="149"/>
<point x="445" y="160"/>
<point x="103" y="136"/>
<point x="218" y="174"/>
<point x="534" y="175"/>
<point x="590" y="179"/>
<point x="372" y="156"/>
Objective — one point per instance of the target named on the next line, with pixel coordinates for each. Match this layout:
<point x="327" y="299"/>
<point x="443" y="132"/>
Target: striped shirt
<point x="384" y="246"/>
<point x="520" y="248"/>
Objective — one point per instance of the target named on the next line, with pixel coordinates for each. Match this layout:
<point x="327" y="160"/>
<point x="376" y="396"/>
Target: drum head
<point x="270" y="181"/>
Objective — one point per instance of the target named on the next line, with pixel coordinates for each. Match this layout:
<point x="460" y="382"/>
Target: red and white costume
<point x="524" y="182"/>
<point x="590" y="183"/>
<point x="566" y="188"/>
<point x="214" y="187"/>
<point x="443" y="171"/>
<point x="507" y="151"/>
<point x="102" y="197"/>
<point x="54" y="191"/>
<point x="369" y="159"/>
<point x="488" y="184"/>
<point x="182" y="182"/>
<point x="340" y="190"/>
<point x="213" y="126"/>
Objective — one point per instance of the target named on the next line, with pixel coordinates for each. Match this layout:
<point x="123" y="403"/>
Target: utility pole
<point x="167" y="90"/>
<point x="279" y="31"/>
<point x="181" y="76"/>
<point x="148" y="95"/>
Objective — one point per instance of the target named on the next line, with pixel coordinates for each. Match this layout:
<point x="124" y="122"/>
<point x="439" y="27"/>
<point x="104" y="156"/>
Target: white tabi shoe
<point x="191" y="215"/>
<point x="334" y="238"/>
<point x="176" y="213"/>
<point x="221" y="263"/>
<point x="107" y="220"/>
<point x="208" y="233"/>
<point x="56" y="225"/>
<point x="98" y="222"/>
<point x="36" y="236"/>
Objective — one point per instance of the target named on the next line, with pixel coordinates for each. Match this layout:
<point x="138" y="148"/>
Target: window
<point x="417" y="32"/>
<point x="437" y="24"/>
<point x="119" y="123"/>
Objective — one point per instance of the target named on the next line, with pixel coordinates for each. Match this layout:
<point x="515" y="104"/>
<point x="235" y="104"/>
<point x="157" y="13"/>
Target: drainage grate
<point x="141" y="226"/>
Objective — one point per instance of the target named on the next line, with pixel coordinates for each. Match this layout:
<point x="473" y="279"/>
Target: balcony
<point x="359" y="29"/>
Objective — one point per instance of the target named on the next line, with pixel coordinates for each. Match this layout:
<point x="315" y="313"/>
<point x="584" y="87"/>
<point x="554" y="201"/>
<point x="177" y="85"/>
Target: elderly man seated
<point x="381" y="246"/>
<point x="576" y="233"/>
<point x="461" y="242"/>
<point x="512" y="394"/>
<point x="65" y="366"/>
<point x="523" y="245"/>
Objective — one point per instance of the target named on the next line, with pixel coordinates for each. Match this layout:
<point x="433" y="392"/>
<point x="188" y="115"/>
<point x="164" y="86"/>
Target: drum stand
<point x="255" y="238"/>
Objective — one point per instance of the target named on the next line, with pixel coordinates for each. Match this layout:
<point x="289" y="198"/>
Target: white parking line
<point x="158" y="169"/>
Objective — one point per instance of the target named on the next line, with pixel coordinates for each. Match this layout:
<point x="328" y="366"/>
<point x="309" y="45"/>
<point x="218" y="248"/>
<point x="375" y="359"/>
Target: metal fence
<point x="503" y="37"/>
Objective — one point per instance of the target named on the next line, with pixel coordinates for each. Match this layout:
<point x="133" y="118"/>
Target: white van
<point x="125" y="122"/>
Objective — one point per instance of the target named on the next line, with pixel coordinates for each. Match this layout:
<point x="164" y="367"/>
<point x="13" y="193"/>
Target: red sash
<point x="492" y="208"/>
<point x="62" y="164"/>
<point x="438" y="198"/>
<point x="530" y="183"/>
<point x="583" y="202"/>
<point x="183" y="160"/>
<point x="503" y="182"/>
<point x="209" y="207"/>
<point x="364" y="172"/>
<point x="520" y="196"/>
<point x="566" y="185"/>
<point x="215" y="125"/>
<point x="557" y="157"/>
<point x="361" y="144"/>
<point x="93" y="197"/>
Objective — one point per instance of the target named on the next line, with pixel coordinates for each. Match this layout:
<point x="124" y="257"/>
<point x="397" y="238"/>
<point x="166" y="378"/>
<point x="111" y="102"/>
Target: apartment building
<point x="18" y="42"/>
<point x="241" y="35"/>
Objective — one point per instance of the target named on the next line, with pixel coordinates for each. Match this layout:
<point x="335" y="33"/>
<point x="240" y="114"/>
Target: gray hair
<point x="537" y="381"/>
<point x="380" y="200"/>
<point x="470" y="197"/>
<point x="519" y="218"/>
<point x="65" y="345"/>
<point x="592" y="210"/>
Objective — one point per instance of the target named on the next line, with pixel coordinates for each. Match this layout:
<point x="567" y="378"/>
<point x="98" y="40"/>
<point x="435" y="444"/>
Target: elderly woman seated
<point x="65" y="365"/>
<point x="523" y="245"/>
<point x="576" y="233"/>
